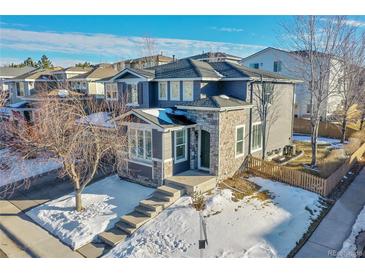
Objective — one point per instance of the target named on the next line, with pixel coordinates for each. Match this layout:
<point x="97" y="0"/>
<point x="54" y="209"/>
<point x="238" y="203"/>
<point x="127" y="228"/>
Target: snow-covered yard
<point x="14" y="168"/>
<point x="334" y="143"/>
<point x="104" y="201"/>
<point x="247" y="228"/>
<point x="349" y="246"/>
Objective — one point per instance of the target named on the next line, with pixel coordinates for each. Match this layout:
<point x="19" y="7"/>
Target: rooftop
<point x="10" y="72"/>
<point x="220" y="102"/>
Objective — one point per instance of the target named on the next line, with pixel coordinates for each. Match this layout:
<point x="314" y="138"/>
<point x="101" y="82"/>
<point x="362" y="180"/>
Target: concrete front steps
<point x="163" y="197"/>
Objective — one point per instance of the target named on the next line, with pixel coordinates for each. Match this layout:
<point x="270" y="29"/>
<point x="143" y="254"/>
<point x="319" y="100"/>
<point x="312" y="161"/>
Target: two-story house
<point x="198" y="115"/>
<point x="288" y="63"/>
<point x="143" y="62"/>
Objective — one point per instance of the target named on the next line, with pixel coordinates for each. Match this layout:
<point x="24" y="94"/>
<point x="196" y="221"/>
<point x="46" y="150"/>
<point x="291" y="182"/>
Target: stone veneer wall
<point x="228" y="121"/>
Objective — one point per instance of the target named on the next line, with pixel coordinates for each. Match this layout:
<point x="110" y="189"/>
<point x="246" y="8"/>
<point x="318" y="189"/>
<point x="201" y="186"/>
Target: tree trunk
<point x="78" y="200"/>
<point x="343" y="130"/>
<point x="314" y="143"/>
<point x="362" y="120"/>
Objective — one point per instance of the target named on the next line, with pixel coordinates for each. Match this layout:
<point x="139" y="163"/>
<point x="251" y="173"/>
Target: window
<point x="20" y="89"/>
<point x="268" y="92"/>
<point x="140" y="144"/>
<point x="277" y="66"/>
<point x="132" y="94"/>
<point x="111" y="91"/>
<point x="175" y="91"/>
<point x="256" y="137"/>
<point x="309" y="108"/>
<point x="180" y="145"/>
<point x="188" y="91"/>
<point x="162" y="91"/>
<point x="255" y="65"/>
<point x="240" y="140"/>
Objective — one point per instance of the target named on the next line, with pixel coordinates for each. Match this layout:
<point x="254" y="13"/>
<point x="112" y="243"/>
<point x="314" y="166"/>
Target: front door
<point x="204" y="149"/>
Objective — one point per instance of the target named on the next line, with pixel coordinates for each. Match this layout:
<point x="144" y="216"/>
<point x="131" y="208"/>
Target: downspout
<point x="250" y="120"/>
<point x="162" y="159"/>
<point x="292" y="115"/>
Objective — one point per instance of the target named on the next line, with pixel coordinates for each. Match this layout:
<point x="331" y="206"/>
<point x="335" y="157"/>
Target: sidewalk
<point x="20" y="237"/>
<point x="334" y="229"/>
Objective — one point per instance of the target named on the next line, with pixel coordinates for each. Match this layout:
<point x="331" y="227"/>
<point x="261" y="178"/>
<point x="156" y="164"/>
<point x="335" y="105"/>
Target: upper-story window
<point x="132" y="94"/>
<point x="255" y="65"/>
<point x="20" y="89"/>
<point x="188" y="94"/>
<point x="111" y="91"/>
<point x="162" y="91"/>
<point x="175" y="90"/>
<point x="277" y="66"/>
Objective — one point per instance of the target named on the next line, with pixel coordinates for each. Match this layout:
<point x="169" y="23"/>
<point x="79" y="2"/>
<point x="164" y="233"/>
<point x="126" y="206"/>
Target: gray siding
<point x="137" y="170"/>
<point x="156" y="144"/>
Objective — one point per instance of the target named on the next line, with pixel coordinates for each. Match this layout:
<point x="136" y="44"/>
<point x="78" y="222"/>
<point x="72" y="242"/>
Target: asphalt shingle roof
<point x="97" y="73"/>
<point x="37" y="74"/>
<point x="13" y="72"/>
<point x="220" y="101"/>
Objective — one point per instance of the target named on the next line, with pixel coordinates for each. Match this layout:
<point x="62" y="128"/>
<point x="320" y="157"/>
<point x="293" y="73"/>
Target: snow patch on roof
<point x="162" y="113"/>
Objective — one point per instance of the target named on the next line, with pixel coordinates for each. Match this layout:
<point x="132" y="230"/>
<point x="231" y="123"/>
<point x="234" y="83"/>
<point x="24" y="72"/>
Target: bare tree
<point x="83" y="144"/>
<point x="265" y="100"/>
<point x="316" y="41"/>
<point x="4" y="97"/>
<point x="351" y="86"/>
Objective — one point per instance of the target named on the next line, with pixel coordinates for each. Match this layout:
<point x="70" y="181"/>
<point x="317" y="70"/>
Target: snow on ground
<point x="335" y="143"/>
<point x="247" y="228"/>
<point x="348" y="249"/>
<point x="14" y="168"/>
<point x="104" y="201"/>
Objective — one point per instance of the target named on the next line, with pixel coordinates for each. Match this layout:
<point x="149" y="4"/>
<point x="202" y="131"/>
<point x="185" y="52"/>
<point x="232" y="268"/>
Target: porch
<point x="193" y="180"/>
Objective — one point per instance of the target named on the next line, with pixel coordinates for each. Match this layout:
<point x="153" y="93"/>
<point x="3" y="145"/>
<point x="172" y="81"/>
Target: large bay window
<point x="240" y="140"/>
<point x="181" y="148"/>
<point x="175" y="91"/>
<point x="256" y="137"/>
<point x="111" y="91"/>
<point x="140" y="144"/>
<point x="188" y="91"/>
<point x="162" y="91"/>
<point x="132" y="94"/>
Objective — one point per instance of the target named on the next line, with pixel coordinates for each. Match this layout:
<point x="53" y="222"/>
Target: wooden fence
<point x="302" y="179"/>
<point x="326" y="129"/>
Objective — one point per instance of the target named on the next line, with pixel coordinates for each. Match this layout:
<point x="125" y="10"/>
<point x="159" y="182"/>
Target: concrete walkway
<point x="20" y="237"/>
<point x="335" y="228"/>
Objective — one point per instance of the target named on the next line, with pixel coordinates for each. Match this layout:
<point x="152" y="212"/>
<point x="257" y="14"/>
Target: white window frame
<point x="185" y="131"/>
<point x="192" y="91"/>
<point x="172" y="98"/>
<point x="260" y="148"/>
<point x="106" y="91"/>
<point x="17" y="90"/>
<point x="136" y="157"/>
<point x="243" y="141"/>
<point x="159" y="91"/>
<point x="134" y="87"/>
<point x="279" y="64"/>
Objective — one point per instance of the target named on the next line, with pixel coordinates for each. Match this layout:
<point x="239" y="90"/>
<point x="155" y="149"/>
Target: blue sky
<point x="70" y="39"/>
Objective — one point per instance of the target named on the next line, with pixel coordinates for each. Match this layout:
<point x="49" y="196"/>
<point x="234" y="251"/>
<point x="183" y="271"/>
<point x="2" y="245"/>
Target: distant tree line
<point x="44" y="63"/>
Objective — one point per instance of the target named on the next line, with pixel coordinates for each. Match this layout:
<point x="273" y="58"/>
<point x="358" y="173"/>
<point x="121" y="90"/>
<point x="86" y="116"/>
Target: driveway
<point x="335" y="228"/>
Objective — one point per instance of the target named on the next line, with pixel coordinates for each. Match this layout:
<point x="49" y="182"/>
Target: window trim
<point x="136" y="158"/>
<point x="176" y="161"/>
<point x="243" y="141"/>
<point x="279" y="64"/>
<point x="131" y="85"/>
<point x="178" y="90"/>
<point x="106" y="92"/>
<point x="159" y="87"/>
<point x="192" y="91"/>
<point x="260" y="148"/>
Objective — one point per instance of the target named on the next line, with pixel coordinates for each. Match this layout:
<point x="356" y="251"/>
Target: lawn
<point x="248" y="226"/>
<point x="302" y="142"/>
<point x="104" y="201"/>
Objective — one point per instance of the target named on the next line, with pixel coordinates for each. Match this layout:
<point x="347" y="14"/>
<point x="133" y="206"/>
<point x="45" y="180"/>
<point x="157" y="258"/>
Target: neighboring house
<point x="31" y="83"/>
<point x="143" y="62"/>
<point x="70" y="72"/>
<point x="89" y="83"/>
<point x="287" y="63"/>
<point x="216" y="57"/>
<point x="192" y="114"/>
<point x="7" y="73"/>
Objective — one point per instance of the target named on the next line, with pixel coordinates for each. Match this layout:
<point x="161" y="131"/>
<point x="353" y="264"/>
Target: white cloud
<point x="111" y="47"/>
<point x="355" y="23"/>
<point x="227" y="29"/>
